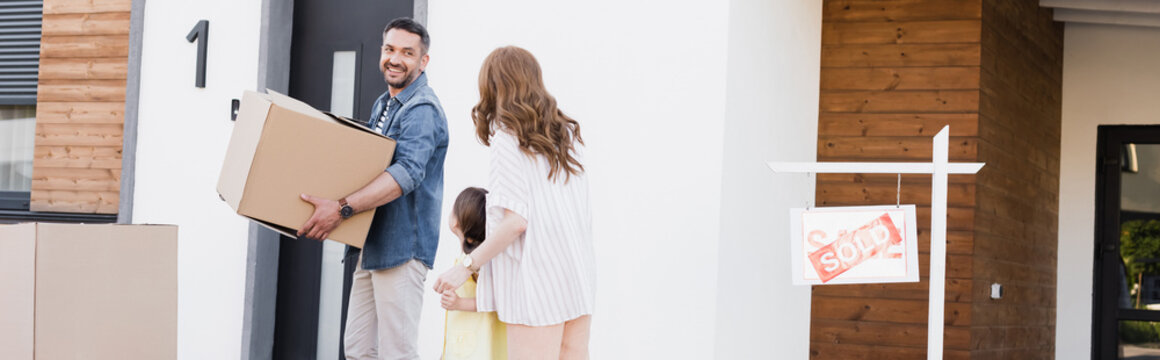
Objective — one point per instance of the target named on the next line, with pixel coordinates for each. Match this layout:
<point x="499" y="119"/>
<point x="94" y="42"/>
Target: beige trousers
<point x="382" y="321"/>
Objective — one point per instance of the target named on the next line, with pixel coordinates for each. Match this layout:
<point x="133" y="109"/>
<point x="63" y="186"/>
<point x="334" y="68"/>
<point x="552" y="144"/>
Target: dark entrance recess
<point x="321" y="28"/>
<point x="1126" y="296"/>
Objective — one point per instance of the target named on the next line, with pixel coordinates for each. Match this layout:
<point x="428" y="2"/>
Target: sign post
<point x="939" y="168"/>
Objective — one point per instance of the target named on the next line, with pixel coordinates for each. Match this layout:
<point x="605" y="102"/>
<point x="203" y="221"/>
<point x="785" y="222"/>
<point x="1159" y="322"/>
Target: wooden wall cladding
<point x="893" y="73"/>
<point x="1018" y="193"/>
<point x="80" y="106"/>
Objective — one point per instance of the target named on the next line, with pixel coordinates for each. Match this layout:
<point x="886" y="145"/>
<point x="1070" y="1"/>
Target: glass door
<point x="1127" y="296"/>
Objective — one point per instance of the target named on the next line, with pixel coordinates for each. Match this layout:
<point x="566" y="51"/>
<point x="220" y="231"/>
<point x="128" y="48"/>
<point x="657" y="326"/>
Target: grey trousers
<point x="382" y="320"/>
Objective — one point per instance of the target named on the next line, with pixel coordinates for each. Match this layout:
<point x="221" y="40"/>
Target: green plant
<point x="1138" y="332"/>
<point x="1140" y="249"/>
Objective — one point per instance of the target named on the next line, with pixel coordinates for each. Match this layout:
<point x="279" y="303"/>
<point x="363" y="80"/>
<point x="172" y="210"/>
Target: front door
<point x="333" y="66"/>
<point x="1126" y="298"/>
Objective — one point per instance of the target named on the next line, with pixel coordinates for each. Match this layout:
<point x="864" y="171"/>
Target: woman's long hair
<point x="512" y="94"/>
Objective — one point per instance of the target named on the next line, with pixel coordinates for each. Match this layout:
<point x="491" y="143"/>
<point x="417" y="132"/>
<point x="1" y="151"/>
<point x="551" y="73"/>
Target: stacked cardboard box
<point x="282" y="147"/>
<point x="97" y="292"/>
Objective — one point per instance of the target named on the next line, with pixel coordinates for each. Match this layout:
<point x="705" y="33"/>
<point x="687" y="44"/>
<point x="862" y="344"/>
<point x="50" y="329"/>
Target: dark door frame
<point x="1106" y="313"/>
<point x="319" y="28"/>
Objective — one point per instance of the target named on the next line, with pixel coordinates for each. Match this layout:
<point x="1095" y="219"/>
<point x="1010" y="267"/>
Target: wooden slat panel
<point x="892" y="179"/>
<point x="49" y="174"/>
<point x="76" y="179"/>
<point x="75" y="184"/>
<point x="835" y="148"/>
<point x="1044" y="353"/>
<point x="80" y="106"/>
<point x="75" y="201"/>
<point x="84" y="46"/>
<point x="995" y="313"/>
<point x="1010" y="206"/>
<point x="856" y="124"/>
<point x="1036" y="150"/>
<point x="1015" y="273"/>
<point x="935" y="101"/>
<point x="1004" y="162"/>
<point x="1016" y="218"/>
<point x="900" y="10"/>
<point x="873" y="333"/>
<point x="888" y="194"/>
<point x="116" y="23"/>
<point x="957" y="290"/>
<point x="1014" y="337"/>
<point x="958" y="218"/>
<point x="1014" y="113"/>
<point x="81" y="90"/>
<point x="1004" y="227"/>
<point x="100" y="157"/>
<point x="1031" y="32"/>
<point x="842" y="351"/>
<point x="80" y="112"/>
<point x="885" y="310"/>
<point x="958" y="242"/>
<point x="958" y="266"/>
<point x="899" y="55"/>
<point x="86" y="6"/>
<point x="916" y="32"/>
<point x="78" y="135"/>
<point x="84" y="68"/>
<point x="910" y="78"/>
<point x="1011" y="247"/>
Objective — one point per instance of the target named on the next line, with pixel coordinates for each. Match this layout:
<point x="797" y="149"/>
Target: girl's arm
<point x="509" y="229"/>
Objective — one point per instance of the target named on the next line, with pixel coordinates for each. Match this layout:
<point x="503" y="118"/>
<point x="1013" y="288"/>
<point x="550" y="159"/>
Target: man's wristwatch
<point x="346" y="211"/>
<point x="467" y="262"/>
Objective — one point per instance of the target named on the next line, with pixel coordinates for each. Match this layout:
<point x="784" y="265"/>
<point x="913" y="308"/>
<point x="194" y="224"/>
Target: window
<point x="17" y="133"/>
<point x="19" y="61"/>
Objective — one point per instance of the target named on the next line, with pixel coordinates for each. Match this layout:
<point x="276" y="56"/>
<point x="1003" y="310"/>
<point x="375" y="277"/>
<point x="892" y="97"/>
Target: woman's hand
<point x="451" y="279"/>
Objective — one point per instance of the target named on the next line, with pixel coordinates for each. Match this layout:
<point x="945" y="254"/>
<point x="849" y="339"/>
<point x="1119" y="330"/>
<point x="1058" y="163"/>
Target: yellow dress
<point x="473" y="335"/>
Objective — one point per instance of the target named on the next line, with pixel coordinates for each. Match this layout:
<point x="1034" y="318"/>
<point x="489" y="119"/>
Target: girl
<point x="470" y="334"/>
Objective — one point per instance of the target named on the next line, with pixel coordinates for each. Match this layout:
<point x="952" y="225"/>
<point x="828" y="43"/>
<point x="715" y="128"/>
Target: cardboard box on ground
<point x="98" y="292"/>
<point x="282" y="147"/>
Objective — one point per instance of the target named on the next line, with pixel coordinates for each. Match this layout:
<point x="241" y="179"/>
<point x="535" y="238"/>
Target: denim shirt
<point x="408" y="227"/>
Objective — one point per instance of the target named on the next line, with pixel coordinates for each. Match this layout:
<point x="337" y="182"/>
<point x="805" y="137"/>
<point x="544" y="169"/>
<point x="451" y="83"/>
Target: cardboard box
<point x="96" y="292"/>
<point x="282" y="147"/>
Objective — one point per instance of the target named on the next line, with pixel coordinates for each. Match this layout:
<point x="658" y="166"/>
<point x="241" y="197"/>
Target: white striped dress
<point x="547" y="276"/>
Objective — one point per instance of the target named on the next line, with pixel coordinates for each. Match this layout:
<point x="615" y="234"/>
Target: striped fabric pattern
<point x="548" y="276"/>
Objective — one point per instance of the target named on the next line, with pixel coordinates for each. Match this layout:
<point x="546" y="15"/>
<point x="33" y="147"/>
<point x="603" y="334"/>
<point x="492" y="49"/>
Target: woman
<point x="537" y="268"/>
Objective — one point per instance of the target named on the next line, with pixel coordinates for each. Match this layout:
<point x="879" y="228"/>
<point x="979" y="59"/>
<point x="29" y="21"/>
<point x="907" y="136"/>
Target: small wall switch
<point x="996" y="291"/>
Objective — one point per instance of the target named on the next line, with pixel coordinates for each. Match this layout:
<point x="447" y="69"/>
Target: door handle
<point x="1108" y="247"/>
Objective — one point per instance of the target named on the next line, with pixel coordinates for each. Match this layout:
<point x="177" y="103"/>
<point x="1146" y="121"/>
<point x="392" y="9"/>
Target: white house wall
<point x="182" y="136"/>
<point x="680" y="104"/>
<point x="1109" y="77"/>
<point x="646" y="81"/>
<point x="771" y="115"/>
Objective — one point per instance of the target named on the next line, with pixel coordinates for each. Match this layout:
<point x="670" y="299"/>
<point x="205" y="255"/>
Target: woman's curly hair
<point x="512" y="95"/>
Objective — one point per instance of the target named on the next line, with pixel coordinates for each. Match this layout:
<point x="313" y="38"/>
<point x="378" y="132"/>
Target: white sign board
<point x="854" y="245"/>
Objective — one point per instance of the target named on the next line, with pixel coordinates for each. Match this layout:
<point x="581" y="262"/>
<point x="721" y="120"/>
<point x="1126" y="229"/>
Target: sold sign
<point x="854" y="247"/>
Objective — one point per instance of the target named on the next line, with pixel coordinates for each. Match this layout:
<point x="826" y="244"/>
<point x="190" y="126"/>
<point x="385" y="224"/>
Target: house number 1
<point x="200" y="33"/>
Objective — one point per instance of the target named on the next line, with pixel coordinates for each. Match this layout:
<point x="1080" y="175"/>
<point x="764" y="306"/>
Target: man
<point x="387" y="292"/>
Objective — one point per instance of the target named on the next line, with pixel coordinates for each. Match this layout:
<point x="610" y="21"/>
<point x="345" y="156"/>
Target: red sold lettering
<point x="855" y="247"/>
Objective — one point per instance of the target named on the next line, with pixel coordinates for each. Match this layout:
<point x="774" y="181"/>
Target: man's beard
<point x="402" y="83"/>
